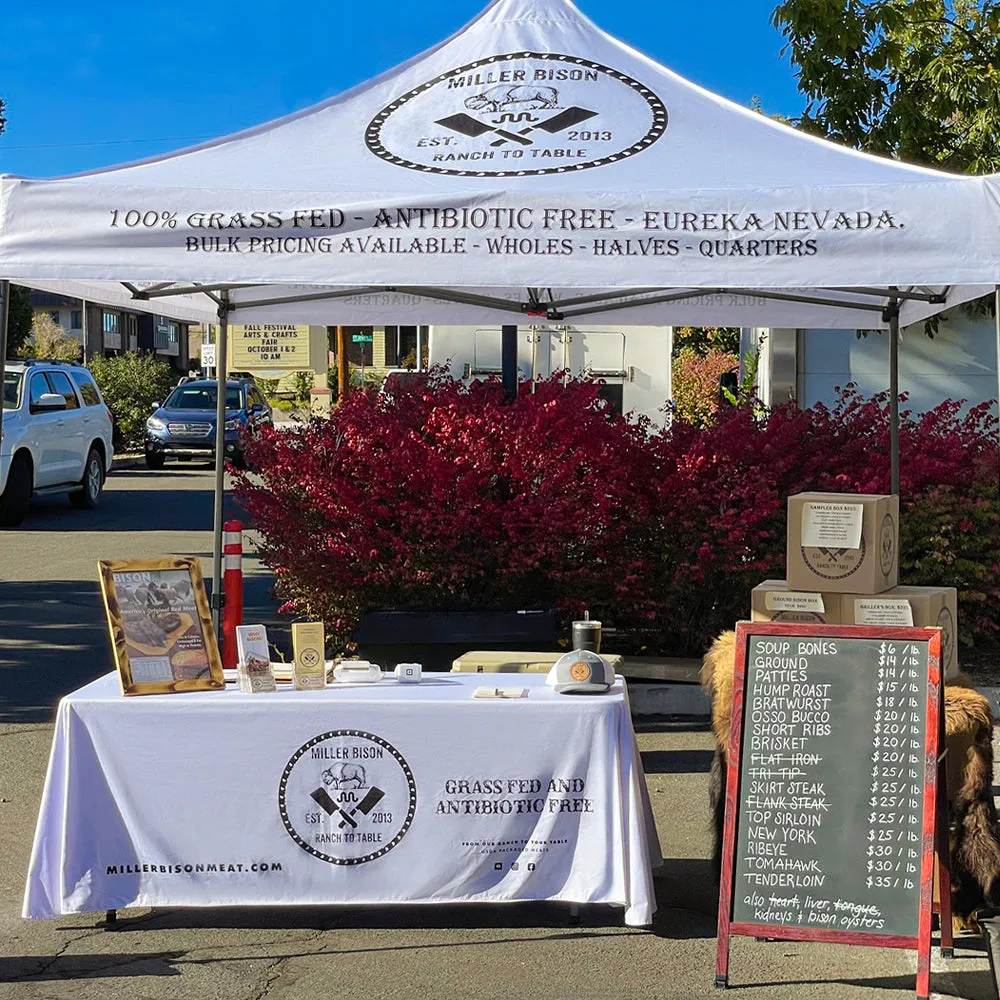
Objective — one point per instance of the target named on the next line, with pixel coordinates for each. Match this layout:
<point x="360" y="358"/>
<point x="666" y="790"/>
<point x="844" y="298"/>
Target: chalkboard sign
<point x="832" y="786"/>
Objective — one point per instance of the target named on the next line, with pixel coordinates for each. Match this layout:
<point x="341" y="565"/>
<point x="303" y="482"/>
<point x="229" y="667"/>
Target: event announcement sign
<point x="266" y="346"/>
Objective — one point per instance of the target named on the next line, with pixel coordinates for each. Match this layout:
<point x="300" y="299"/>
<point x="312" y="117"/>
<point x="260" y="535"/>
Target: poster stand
<point x="932" y="815"/>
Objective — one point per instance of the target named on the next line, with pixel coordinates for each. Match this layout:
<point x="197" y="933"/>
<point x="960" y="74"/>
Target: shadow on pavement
<point x="677" y="761"/>
<point x="514" y="916"/>
<point x="53" y="639"/>
<point x="39" y="968"/>
<point x="128" y="510"/>
<point x="965" y="985"/>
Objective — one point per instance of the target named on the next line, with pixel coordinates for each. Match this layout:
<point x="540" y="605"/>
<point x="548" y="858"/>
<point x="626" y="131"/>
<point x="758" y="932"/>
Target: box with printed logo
<point x="775" y="601"/>
<point x="309" y="671"/>
<point x="923" y="607"/>
<point x="842" y="543"/>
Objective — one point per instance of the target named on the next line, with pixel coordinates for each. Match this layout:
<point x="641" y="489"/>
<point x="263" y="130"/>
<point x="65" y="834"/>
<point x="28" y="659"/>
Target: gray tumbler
<point x="587" y="635"/>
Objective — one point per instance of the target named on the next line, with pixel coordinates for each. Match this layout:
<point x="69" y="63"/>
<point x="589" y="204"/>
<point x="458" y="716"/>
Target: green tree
<point x="130" y="384"/>
<point x="49" y="340"/>
<point x="918" y="80"/>
<point x="19" y="318"/>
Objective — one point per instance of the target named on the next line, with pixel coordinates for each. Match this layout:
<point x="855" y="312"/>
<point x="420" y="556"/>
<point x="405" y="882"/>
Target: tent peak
<point x="540" y="11"/>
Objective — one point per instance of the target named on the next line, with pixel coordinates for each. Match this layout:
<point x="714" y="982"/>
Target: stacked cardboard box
<point x="843" y="566"/>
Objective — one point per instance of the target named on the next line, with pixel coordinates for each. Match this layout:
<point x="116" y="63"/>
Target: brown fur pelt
<point x="975" y="841"/>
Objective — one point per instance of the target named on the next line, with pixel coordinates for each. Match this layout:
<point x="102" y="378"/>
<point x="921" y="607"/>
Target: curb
<point x="128" y="462"/>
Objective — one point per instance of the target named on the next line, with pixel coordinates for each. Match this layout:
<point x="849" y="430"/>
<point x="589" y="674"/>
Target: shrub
<point x="447" y="496"/>
<point x="695" y="381"/>
<point x="442" y="496"/>
<point x="725" y="487"/>
<point x="130" y="384"/>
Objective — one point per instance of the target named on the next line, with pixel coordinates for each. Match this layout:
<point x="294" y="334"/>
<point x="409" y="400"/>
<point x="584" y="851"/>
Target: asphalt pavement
<point x="53" y="638"/>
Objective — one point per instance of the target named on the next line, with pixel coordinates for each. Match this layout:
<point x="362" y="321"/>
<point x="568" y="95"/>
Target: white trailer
<point x="633" y="362"/>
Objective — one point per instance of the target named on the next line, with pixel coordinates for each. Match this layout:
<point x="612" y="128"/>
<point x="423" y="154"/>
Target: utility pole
<point x="343" y="372"/>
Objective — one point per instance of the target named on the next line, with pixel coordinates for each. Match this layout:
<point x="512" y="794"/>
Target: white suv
<point x="55" y="436"/>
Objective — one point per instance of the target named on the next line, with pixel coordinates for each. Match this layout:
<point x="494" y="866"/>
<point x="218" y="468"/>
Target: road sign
<point x="208" y="355"/>
<point x="361" y="338"/>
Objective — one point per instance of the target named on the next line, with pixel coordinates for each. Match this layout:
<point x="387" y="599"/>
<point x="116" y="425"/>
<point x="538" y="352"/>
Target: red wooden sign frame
<point x="934" y="825"/>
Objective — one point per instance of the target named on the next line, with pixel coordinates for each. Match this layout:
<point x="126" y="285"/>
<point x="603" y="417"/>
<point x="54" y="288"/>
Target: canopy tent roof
<point x="530" y="165"/>
<point x="194" y="308"/>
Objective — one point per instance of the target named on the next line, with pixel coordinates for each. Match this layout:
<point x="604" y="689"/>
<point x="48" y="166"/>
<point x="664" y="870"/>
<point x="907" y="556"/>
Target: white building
<point x="633" y="362"/>
<point x="959" y="362"/>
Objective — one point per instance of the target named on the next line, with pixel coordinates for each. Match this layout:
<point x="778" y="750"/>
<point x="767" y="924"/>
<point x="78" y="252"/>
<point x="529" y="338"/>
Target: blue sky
<point x="90" y="85"/>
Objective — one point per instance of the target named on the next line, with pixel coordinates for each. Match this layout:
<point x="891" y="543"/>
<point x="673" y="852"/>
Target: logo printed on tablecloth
<point x="518" y="115"/>
<point x="347" y="797"/>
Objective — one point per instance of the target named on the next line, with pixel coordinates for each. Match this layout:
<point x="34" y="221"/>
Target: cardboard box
<point x="774" y="601"/>
<point x="842" y="543"/>
<point x="923" y="607"/>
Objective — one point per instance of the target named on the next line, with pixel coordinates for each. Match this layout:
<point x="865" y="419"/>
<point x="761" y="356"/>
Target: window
<point x="111" y="328"/>
<point x="131" y="322"/>
<point x="166" y="335"/>
<point x="11" y="390"/>
<point x="88" y="390"/>
<point x="55" y="316"/>
<point x="76" y="319"/>
<point x="61" y="384"/>
<point x="202" y="397"/>
<point x="37" y="388"/>
<point x="401" y="346"/>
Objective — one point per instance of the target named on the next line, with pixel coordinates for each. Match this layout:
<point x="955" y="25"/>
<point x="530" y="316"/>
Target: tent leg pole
<point x="508" y="361"/>
<point x="996" y="320"/>
<point x="4" y="313"/>
<point x="894" y="396"/>
<point x="220" y="460"/>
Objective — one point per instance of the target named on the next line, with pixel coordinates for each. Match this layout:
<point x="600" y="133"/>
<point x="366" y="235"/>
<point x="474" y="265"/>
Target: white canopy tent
<point x="528" y="166"/>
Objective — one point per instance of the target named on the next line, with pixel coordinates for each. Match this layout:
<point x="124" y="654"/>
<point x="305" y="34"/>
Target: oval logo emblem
<point x="834" y="564"/>
<point x="347" y="797"/>
<point x="579" y="671"/>
<point x="519" y="115"/>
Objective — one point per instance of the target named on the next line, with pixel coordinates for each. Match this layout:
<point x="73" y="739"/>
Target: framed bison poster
<point x="161" y="626"/>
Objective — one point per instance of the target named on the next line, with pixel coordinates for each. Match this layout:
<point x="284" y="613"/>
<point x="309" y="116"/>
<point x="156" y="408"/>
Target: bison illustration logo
<point x="514" y="98"/>
<point x="345" y="776"/>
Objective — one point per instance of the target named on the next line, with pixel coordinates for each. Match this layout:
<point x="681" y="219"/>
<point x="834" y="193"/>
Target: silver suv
<point x="55" y="436"/>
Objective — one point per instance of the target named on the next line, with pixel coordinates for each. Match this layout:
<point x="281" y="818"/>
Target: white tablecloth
<point x="358" y="794"/>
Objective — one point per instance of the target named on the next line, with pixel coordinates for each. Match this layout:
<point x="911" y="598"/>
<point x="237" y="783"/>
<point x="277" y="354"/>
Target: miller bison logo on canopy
<point x="518" y="115"/>
<point x="347" y="797"/>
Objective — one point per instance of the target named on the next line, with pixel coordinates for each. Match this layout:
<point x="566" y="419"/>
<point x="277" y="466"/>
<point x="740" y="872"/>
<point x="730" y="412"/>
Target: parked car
<point x="55" y="436"/>
<point x="183" y="426"/>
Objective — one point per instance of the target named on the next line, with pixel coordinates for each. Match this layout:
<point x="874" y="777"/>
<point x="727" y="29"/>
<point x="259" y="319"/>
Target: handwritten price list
<point x="831" y="790"/>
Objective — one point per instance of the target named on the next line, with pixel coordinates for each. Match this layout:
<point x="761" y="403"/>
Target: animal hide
<point x="975" y="843"/>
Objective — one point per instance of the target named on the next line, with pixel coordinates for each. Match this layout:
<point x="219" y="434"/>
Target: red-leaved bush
<point x="445" y="496"/>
